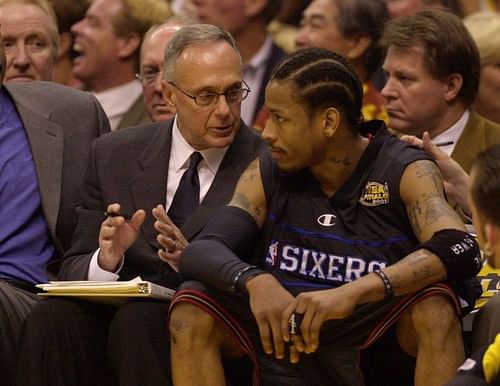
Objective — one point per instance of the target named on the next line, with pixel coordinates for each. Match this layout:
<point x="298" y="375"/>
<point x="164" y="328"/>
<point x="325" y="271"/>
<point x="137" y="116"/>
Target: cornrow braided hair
<point x="323" y="79"/>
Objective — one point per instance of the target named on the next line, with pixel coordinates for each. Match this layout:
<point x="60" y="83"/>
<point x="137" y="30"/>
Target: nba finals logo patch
<point x="375" y="194"/>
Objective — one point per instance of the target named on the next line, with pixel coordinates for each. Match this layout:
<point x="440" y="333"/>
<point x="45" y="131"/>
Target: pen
<point x="447" y="143"/>
<point x="126" y="216"/>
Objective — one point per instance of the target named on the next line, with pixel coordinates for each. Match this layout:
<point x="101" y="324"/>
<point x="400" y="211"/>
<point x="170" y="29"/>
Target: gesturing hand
<point x="170" y="238"/>
<point x="116" y="235"/>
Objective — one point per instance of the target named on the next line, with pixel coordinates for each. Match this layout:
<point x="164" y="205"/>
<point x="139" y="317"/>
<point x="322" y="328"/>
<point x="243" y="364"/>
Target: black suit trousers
<point x="89" y="344"/>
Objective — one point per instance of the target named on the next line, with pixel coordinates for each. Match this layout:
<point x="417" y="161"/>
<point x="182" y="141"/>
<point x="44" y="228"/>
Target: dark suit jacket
<point x="277" y="54"/>
<point x="60" y="122"/>
<point x="130" y="167"/>
<point x="136" y="115"/>
<point x="479" y="134"/>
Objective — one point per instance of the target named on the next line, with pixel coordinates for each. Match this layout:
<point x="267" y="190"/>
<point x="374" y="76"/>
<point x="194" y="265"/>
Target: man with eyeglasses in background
<point x="137" y="171"/>
<point x="151" y="65"/>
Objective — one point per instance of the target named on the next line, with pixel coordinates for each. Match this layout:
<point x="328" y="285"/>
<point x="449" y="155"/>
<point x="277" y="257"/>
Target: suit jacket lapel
<point x="46" y="140"/>
<point x="149" y="186"/>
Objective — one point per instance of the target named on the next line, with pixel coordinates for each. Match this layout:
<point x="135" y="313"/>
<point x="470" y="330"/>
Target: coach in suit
<point x="45" y="135"/>
<point x="132" y="172"/>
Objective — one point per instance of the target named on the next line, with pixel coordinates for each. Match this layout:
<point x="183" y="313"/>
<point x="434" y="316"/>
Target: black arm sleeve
<point x="458" y="251"/>
<point x="214" y="256"/>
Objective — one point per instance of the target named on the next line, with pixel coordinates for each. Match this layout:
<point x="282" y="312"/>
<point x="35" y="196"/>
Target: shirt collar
<point x="118" y="100"/>
<point x="452" y="134"/>
<point x="181" y="151"/>
<point x="261" y="56"/>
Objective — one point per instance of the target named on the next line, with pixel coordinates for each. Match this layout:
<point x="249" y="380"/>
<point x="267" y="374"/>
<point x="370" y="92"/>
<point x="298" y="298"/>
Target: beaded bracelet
<point x="389" y="289"/>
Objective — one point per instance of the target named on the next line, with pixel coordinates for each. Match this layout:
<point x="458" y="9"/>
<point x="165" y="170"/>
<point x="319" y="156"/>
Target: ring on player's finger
<point x="171" y="248"/>
<point x="294" y="323"/>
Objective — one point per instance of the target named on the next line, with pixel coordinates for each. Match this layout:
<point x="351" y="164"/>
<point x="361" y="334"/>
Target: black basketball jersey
<point x="315" y="242"/>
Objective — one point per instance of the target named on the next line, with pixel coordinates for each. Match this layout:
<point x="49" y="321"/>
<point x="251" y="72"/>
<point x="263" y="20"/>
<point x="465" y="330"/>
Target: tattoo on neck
<point x="346" y="161"/>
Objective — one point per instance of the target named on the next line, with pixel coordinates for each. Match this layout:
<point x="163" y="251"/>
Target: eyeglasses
<point x="205" y="98"/>
<point x="148" y="77"/>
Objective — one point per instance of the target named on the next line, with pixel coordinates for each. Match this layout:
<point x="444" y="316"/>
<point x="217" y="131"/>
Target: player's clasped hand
<point x="308" y="312"/>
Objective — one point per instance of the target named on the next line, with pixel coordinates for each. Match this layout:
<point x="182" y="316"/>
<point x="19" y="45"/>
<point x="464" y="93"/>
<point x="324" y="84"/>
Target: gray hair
<point x="191" y="35"/>
<point x="52" y="28"/>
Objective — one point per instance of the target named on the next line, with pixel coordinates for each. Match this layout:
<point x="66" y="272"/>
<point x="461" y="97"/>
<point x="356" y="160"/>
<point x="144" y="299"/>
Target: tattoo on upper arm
<point x="427" y="169"/>
<point x="436" y="209"/>
<point x="430" y="208"/>
<point x="251" y="173"/>
<point x="241" y="200"/>
<point x="413" y="214"/>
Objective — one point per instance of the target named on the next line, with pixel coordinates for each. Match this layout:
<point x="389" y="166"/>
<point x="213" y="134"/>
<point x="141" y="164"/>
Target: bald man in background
<point x="151" y="65"/>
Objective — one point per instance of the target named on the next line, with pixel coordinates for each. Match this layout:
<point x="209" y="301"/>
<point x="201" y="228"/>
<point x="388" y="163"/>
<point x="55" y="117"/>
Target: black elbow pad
<point x="459" y="252"/>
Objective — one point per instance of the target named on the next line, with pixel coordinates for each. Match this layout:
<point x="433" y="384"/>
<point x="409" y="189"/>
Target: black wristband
<point x="242" y="276"/>
<point x="389" y="289"/>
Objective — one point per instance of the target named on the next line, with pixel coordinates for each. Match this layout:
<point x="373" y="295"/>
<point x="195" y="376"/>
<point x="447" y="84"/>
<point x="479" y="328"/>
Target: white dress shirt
<point x="452" y="134"/>
<point x="253" y="74"/>
<point x="118" y="100"/>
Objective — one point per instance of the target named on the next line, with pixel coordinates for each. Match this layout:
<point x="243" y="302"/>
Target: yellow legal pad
<point x="110" y="292"/>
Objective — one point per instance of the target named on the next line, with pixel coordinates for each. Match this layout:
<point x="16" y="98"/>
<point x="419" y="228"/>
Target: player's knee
<point x="435" y="320"/>
<point x="190" y="326"/>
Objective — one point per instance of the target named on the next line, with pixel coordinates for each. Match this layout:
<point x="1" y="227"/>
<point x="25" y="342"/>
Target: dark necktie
<point x="187" y="196"/>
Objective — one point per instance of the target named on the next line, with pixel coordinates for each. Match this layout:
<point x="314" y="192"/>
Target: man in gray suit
<point x="134" y="172"/>
<point x="45" y="136"/>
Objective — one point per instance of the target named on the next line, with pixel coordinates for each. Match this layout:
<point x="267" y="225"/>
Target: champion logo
<point x="327" y="220"/>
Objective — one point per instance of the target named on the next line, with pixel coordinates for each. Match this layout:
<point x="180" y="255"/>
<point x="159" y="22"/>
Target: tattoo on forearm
<point x="396" y="281"/>
<point x="420" y="268"/>
<point x="417" y="257"/>
<point x="421" y="273"/>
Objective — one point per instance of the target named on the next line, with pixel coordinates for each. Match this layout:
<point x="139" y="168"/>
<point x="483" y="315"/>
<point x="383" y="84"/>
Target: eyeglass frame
<point x="148" y="79"/>
<point x="216" y="94"/>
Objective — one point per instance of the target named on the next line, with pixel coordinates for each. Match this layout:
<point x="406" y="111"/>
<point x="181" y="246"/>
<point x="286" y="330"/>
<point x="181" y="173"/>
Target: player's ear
<point x="331" y="118"/>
